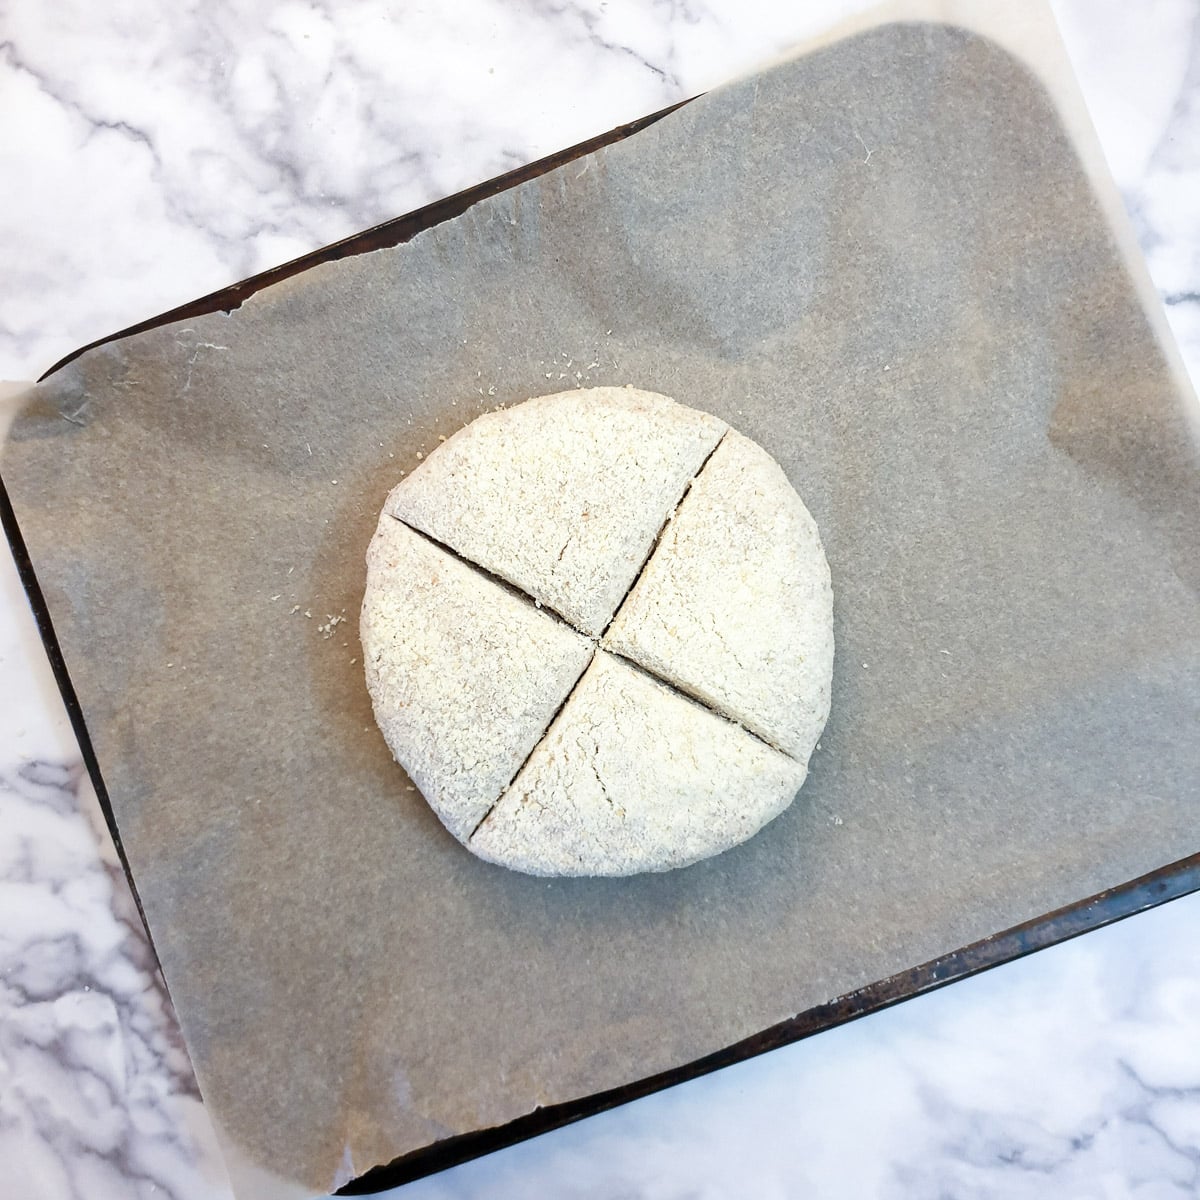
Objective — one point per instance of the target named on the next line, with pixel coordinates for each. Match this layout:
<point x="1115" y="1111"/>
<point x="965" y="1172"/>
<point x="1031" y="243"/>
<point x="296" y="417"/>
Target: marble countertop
<point x="150" y="155"/>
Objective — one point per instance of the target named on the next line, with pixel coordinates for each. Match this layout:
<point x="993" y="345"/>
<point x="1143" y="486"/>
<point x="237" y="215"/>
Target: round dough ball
<point x="598" y="634"/>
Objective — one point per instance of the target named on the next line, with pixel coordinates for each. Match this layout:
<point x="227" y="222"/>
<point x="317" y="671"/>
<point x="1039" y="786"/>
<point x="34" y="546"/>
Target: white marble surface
<point x="149" y="154"/>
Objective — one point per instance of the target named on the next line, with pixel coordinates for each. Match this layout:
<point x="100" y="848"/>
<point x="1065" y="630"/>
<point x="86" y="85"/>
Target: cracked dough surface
<point x="663" y="704"/>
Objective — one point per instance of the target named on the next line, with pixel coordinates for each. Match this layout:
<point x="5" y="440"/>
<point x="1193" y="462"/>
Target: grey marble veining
<point x="97" y="1094"/>
<point x="153" y="154"/>
<point x="1148" y="120"/>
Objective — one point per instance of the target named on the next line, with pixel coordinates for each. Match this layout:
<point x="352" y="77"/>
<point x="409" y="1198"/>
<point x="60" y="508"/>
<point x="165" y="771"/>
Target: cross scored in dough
<point x="598" y="634"/>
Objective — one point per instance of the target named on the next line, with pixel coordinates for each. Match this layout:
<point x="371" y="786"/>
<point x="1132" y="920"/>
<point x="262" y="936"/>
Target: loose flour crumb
<point x="332" y="621"/>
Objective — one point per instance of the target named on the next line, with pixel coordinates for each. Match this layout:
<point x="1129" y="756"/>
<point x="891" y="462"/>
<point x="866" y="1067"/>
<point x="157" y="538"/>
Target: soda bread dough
<point x="598" y="634"/>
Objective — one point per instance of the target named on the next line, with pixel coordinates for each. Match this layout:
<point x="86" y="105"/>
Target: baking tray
<point x="1111" y="904"/>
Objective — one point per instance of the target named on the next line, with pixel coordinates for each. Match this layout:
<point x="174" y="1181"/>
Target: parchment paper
<point x="884" y="262"/>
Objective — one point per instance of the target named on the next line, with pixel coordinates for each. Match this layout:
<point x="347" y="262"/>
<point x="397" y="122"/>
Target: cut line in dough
<point x="633" y="776"/>
<point x="561" y="498"/>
